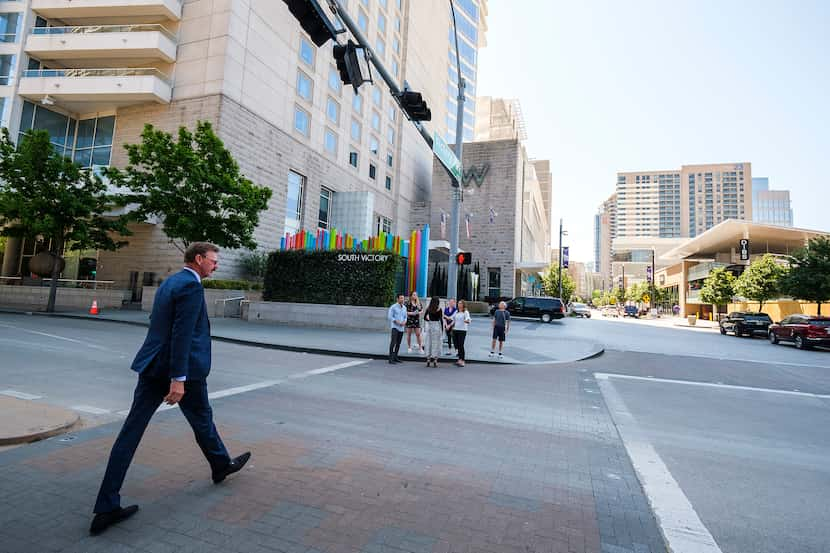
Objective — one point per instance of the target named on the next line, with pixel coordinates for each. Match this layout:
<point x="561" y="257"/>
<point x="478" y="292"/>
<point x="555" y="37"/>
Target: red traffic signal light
<point x="463" y="258"/>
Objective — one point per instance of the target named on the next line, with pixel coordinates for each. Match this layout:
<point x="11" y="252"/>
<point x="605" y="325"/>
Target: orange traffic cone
<point x="94" y="309"/>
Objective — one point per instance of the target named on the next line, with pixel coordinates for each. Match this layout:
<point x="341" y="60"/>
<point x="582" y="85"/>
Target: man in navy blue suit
<point x="172" y="366"/>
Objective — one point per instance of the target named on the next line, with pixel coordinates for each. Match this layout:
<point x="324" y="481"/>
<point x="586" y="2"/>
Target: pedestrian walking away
<point x="461" y="323"/>
<point x="433" y="320"/>
<point x="172" y="365"/>
<point x="501" y="324"/>
<point x="397" y="319"/>
<point x="449" y="311"/>
<point x="414" y="310"/>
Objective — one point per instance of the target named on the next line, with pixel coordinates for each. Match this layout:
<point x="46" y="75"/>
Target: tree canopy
<point x="719" y="287"/>
<point x="761" y="281"/>
<point x="550" y="283"/>
<point x="194" y="185"/>
<point x="809" y="275"/>
<point x="43" y="193"/>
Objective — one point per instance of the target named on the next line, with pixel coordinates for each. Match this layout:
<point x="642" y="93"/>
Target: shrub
<point x="320" y="277"/>
<point x="222" y="284"/>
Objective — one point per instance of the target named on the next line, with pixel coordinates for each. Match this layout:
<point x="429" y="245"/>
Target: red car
<point x="804" y="331"/>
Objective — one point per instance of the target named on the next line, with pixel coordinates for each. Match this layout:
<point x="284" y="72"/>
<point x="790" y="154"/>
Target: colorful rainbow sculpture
<point x="415" y="250"/>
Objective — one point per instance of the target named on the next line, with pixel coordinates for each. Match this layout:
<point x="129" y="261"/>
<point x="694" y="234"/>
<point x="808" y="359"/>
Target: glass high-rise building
<point x="772" y="207"/>
<point x="471" y="21"/>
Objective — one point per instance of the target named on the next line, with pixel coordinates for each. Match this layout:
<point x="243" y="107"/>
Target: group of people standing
<point x="453" y="322"/>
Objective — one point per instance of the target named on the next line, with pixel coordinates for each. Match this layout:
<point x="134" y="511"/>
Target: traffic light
<point x="313" y="20"/>
<point x="414" y="106"/>
<point x="352" y="64"/>
<point x="463" y="258"/>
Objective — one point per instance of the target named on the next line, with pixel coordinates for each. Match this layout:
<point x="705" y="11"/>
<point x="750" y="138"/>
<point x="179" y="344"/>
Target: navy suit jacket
<point x="178" y="341"/>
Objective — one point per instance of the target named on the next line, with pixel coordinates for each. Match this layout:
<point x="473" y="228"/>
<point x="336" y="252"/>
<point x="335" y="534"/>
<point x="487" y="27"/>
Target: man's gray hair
<point x="502" y="304"/>
<point x="199" y="248"/>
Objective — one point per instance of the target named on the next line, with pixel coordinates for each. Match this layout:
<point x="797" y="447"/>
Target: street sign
<point x="743" y="246"/>
<point x="447" y="158"/>
<point x="565" y="257"/>
<point x="647" y="298"/>
<point x="648" y="275"/>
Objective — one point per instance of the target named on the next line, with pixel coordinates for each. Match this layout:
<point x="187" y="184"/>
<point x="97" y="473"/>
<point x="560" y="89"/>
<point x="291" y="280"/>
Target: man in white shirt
<point x="397" y="320"/>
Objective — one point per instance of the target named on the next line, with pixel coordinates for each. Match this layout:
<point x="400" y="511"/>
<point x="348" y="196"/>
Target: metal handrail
<point x="44" y="281"/>
<point x="109" y="72"/>
<point x="90" y="29"/>
<point x="225" y="301"/>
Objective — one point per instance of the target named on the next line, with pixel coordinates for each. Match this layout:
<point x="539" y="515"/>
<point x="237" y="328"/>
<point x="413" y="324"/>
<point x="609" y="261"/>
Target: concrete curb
<point x="597" y="348"/>
<point x="18" y="426"/>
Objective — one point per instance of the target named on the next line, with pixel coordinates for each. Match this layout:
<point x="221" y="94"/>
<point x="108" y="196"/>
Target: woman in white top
<point x="462" y="321"/>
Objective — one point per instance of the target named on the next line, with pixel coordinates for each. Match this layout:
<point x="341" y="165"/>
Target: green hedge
<point x="220" y="284"/>
<point x="325" y="277"/>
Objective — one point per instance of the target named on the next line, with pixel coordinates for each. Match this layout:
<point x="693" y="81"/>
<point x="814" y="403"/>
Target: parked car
<point x="804" y="331"/>
<point x="631" y="311"/>
<point x="579" y="310"/>
<point x="742" y="323"/>
<point x="538" y="307"/>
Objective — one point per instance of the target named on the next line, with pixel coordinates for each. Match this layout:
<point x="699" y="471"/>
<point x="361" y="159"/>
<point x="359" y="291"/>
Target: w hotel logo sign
<point x="475" y="173"/>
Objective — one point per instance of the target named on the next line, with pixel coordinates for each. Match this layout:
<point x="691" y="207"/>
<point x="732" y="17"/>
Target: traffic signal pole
<point x="452" y="273"/>
<point x="337" y="7"/>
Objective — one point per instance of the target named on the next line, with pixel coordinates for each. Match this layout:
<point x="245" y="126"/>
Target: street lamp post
<point x="561" y="233"/>
<point x="452" y="274"/>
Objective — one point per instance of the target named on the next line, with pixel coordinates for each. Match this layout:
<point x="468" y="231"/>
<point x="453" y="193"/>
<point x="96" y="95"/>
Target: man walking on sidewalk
<point x="501" y="324"/>
<point x="172" y="366"/>
<point x="397" y="320"/>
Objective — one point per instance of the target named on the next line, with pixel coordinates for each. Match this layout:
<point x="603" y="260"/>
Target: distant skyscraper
<point x="471" y="19"/>
<point x="605" y="230"/>
<point x="682" y="203"/>
<point x="772" y="207"/>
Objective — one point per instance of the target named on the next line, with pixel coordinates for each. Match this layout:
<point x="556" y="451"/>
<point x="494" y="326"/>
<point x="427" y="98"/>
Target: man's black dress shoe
<point x="234" y="466"/>
<point x="102" y="521"/>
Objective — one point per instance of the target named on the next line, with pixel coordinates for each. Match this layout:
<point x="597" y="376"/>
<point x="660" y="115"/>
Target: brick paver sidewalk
<point x="370" y="459"/>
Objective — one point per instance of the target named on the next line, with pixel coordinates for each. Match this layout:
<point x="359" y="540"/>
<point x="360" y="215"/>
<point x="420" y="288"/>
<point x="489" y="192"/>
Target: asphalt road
<point x="722" y="435"/>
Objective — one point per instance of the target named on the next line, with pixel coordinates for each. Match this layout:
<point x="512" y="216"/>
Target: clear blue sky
<point x="609" y="86"/>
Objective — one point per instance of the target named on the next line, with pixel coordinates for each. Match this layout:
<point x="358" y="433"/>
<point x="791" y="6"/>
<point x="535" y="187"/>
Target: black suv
<point x="745" y="322"/>
<point x="543" y="308"/>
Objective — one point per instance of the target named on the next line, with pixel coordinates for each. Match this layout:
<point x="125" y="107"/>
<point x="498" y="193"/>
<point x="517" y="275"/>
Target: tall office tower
<point x="684" y="202"/>
<point x="93" y="72"/>
<point x="772" y="207"/>
<point x="605" y="230"/>
<point x="471" y="19"/>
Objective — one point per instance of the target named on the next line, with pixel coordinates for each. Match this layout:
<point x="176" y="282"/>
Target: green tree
<point x="637" y="292"/>
<point x="761" y="281"/>
<point x="194" y="185"/>
<point x="809" y="275"/>
<point x="550" y="284"/>
<point x="255" y="265"/>
<point x="718" y="288"/>
<point x="43" y="193"/>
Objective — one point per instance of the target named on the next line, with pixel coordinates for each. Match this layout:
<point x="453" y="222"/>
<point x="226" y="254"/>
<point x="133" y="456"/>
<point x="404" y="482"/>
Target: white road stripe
<point x="267" y="383"/>
<point x="56" y="337"/>
<point x="606" y="376"/>
<point x="682" y="528"/>
<point x="19" y="395"/>
<point x="90" y="409"/>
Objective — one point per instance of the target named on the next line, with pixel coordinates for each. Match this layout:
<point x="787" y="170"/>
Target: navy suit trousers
<point x="149" y="393"/>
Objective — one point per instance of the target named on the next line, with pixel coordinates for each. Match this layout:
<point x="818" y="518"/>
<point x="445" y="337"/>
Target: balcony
<point x="88" y="90"/>
<point x="92" y="11"/>
<point x="102" y="45"/>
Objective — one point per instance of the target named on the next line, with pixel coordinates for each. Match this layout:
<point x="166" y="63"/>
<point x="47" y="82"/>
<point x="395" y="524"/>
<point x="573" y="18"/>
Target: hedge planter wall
<point x="333" y="277"/>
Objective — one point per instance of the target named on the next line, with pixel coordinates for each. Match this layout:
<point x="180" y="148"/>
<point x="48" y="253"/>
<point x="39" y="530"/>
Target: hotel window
<point x="390" y="135"/>
<point x="6" y="69"/>
<point x="382" y="3"/>
<point x="376" y="121"/>
<point x="93" y="145"/>
<point x="388" y="182"/>
<point x="357" y="103"/>
<point x="376" y="96"/>
<point x="8" y="26"/>
<point x="331" y="142"/>
<point x="294" y="203"/>
<point x="381" y="23"/>
<point x="324" y="212"/>
<point x="392" y="110"/>
<point x="395" y="67"/>
<point x="382" y="224"/>
<point x="304" y="86"/>
<point x="365" y="3"/>
<point x="398" y="24"/>
<point x="306" y="51"/>
<point x="389" y="159"/>
<point x="353" y="159"/>
<point x="380" y="47"/>
<point x="374" y="145"/>
<point x="333" y="111"/>
<point x="362" y="21"/>
<point x="302" y="120"/>
<point x="334" y="79"/>
<point x="396" y="45"/>
<point x="356" y="131"/>
<point x="373" y="171"/>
